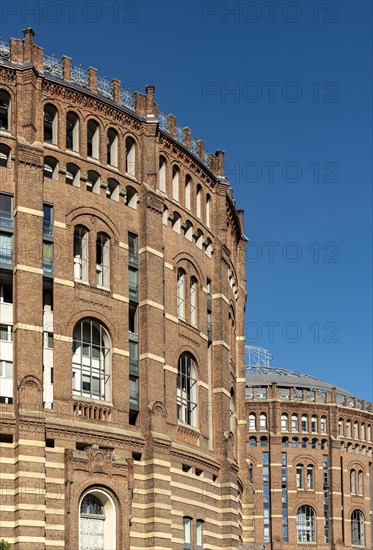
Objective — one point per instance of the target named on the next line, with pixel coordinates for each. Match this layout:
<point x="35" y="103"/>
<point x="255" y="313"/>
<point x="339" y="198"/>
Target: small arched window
<point x="188" y="185"/>
<point x="360" y="483"/>
<point x="357" y="528"/>
<point x="294" y="422"/>
<point x="207" y="245"/>
<point x="348" y="428"/>
<point x="72" y="176"/>
<point x="356" y="429"/>
<point x="294" y="442"/>
<point x="181" y="293"/>
<point x="306" y="524"/>
<point x="112" y="147"/>
<point x="112" y="191"/>
<point x="130" y="156"/>
<point x="310" y="477"/>
<point x="284" y="422"/>
<point x="304" y="423"/>
<point x="323" y="424"/>
<point x="198" y="201"/>
<point x="193" y="301"/>
<point x="175" y="183"/>
<point x="93" y="139"/>
<point x="81" y="253"/>
<point x="51" y="168"/>
<point x="4" y="110"/>
<point x="252" y="441"/>
<point x="208" y="210"/>
<point x="50" y="123"/>
<point x="4" y="155"/>
<point x="341" y="426"/>
<point x="304" y="442"/>
<point x="362" y="431"/>
<point x="72" y="131"/>
<point x="131" y="197"/>
<point x="263" y="421"/>
<point x="314" y="423"/>
<point x="299" y="476"/>
<point x="91" y="360"/>
<point x="93" y="182"/>
<point x="369" y="433"/>
<point x="103" y="260"/>
<point x="187" y="390"/>
<point x="176" y="222"/>
<point x="162" y="174"/>
<point x="187" y="227"/>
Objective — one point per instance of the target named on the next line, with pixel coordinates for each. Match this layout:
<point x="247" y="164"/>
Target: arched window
<point x="304" y="423"/>
<point x="72" y="131"/>
<point x="131" y="197"/>
<point x="208" y="213"/>
<point x="314" y="443"/>
<point x="207" y="245"/>
<point x="310" y="477"/>
<point x="198" y="201"/>
<point x="357" y="528"/>
<point x="323" y="424"/>
<point x="232" y="409"/>
<point x="348" y="428"/>
<point x="284" y="422"/>
<point x="360" y="482"/>
<point x="324" y="444"/>
<point x="81" y="253"/>
<point x="187" y="528"/>
<point x="294" y="422"/>
<point x="341" y="426"/>
<point x="72" y="176"/>
<point x="264" y="441"/>
<point x="4" y="110"/>
<point x="252" y="422"/>
<point x="50" y="123"/>
<point x="252" y="441"/>
<point x="187" y="227"/>
<point x="369" y="433"/>
<point x="193" y="301"/>
<point x="93" y="139"/>
<point x="199" y="534"/>
<point x="97" y="521"/>
<point x="299" y="476"/>
<point x="304" y="442"/>
<point x="356" y="429"/>
<point x="314" y="423"/>
<point x="112" y="147"/>
<point x="187" y="390"/>
<point x="188" y="185"/>
<point x="198" y="238"/>
<point x="262" y="422"/>
<point x="294" y="442"/>
<point x="50" y="168"/>
<point x="91" y="360"/>
<point x="93" y="182"/>
<point x="181" y="293"/>
<point x="162" y="174"/>
<point x="176" y="222"/>
<point x="362" y="431"/>
<point x="4" y="155"/>
<point x="175" y="183"/>
<point x="103" y="260"/>
<point x="130" y="156"/>
<point x="306" y="524"/>
<point x="285" y="442"/>
<point x="112" y="191"/>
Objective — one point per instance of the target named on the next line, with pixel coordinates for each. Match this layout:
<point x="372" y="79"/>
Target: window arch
<point x="51" y="168"/>
<point x="198" y="201"/>
<point x="91" y="361"/>
<point x="112" y="147"/>
<point x="50" y="123"/>
<point x="207" y="245"/>
<point x="357" y="528"/>
<point x="93" y="139"/>
<point x="284" y="422"/>
<point x="252" y="441"/>
<point x="252" y="422"/>
<point x="187" y="389"/>
<point x="181" y="293"/>
<point x="188" y="185"/>
<point x="130" y="156"/>
<point x="294" y="422"/>
<point x="162" y="174"/>
<point x="306" y="524"/>
<point x="97" y="525"/>
<point x="193" y="301"/>
<point x="5" y="152"/>
<point x="5" y="104"/>
<point x="208" y="210"/>
<point x="175" y="183"/>
<point x="72" y="176"/>
<point x="72" y="131"/>
<point x="113" y="189"/>
<point x="103" y="260"/>
<point x="323" y="424"/>
<point x="262" y="421"/>
<point x="131" y="197"/>
<point x="81" y="253"/>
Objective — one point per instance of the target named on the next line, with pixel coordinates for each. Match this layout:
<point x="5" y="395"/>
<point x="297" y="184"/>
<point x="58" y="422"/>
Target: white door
<point x="91" y="534"/>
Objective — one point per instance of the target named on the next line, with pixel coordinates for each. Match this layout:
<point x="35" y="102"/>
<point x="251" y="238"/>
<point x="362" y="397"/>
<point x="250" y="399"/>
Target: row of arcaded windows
<point x="174" y="220"/>
<point x="93" y="146"/>
<point x="189" y="195"/>
<point x="302" y="423"/>
<point x="356" y="449"/>
<point x="304" y="443"/>
<point x="354" y="429"/>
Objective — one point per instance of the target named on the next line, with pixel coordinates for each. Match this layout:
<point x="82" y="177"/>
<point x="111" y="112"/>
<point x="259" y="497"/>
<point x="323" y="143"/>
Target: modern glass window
<point x="133" y="248"/>
<point x="130" y="156"/>
<point x="50" y="124"/>
<point x="193" y="301"/>
<point x="133" y="286"/>
<point x="47" y="220"/>
<point x="93" y="139"/>
<point x="6" y="249"/>
<point x="6" y="333"/>
<point x="72" y="131"/>
<point x="181" y="293"/>
<point x="175" y="183"/>
<point x="81" y="253"/>
<point x="4" y="110"/>
<point x="6" y="369"/>
<point x="103" y="260"/>
<point x="306" y="524"/>
<point x="6" y="211"/>
<point x="357" y="528"/>
<point x="91" y="367"/>
<point x="187" y="389"/>
<point x="162" y="174"/>
<point x="47" y="258"/>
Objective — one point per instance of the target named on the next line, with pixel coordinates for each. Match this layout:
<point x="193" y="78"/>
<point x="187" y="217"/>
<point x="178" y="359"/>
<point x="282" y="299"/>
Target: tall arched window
<point x="232" y="409"/>
<point x="91" y="366"/>
<point x="175" y="183"/>
<point x="4" y="110"/>
<point x="341" y="426"/>
<point x="162" y="174"/>
<point x="112" y="147"/>
<point x="208" y="213"/>
<point x="50" y="123"/>
<point x="314" y="423"/>
<point x="294" y="422"/>
<point x="306" y="524"/>
<point x="181" y="293"/>
<point x="310" y="477"/>
<point x="353" y="482"/>
<point x="299" y="476"/>
<point x="323" y="424"/>
<point x="304" y="423"/>
<point x="369" y="433"/>
<point x="187" y="389"/>
<point x="130" y="156"/>
<point x="93" y="139"/>
<point x="188" y="185"/>
<point x="97" y="526"/>
<point x="193" y="301"/>
<point x="103" y="260"/>
<point x="357" y="528"/>
<point x="348" y="428"/>
<point x="360" y="483"/>
<point x="356" y="429"/>
<point x="252" y="422"/>
<point x="284" y="422"/>
<point x="187" y="528"/>
<point x="72" y="131"/>
<point x="81" y="253"/>
<point x="132" y="197"/>
<point x="198" y="201"/>
<point x="262" y="421"/>
<point x="362" y="431"/>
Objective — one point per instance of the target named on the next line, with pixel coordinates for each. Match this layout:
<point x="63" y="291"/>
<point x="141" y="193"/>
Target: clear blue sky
<point x="285" y="88"/>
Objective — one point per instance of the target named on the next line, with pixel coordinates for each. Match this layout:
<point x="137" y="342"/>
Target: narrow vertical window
<point x="294" y="422"/>
<point x="323" y="424"/>
<point x="353" y="482"/>
<point x="187" y="390"/>
<point x="314" y="424"/>
<point x="103" y="260"/>
<point x="299" y="476"/>
<point x="162" y="174"/>
<point x="81" y="253"/>
<point x="175" y="183"/>
<point x="187" y="526"/>
<point x="187" y="192"/>
<point x="263" y="422"/>
<point x="252" y="422"/>
<point x="50" y="124"/>
<point x="310" y="477"/>
<point x="208" y="208"/>
<point x="93" y="139"/>
<point x="198" y="201"/>
<point x="360" y="483"/>
<point x="306" y="524"/>
<point x="4" y="110"/>
<point x="357" y="528"/>
<point x="130" y="157"/>
<point x="284" y="422"/>
<point x="193" y="301"/>
<point x="304" y="423"/>
<point x="112" y="147"/>
<point x="181" y="293"/>
<point x="72" y="131"/>
<point x="199" y="534"/>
